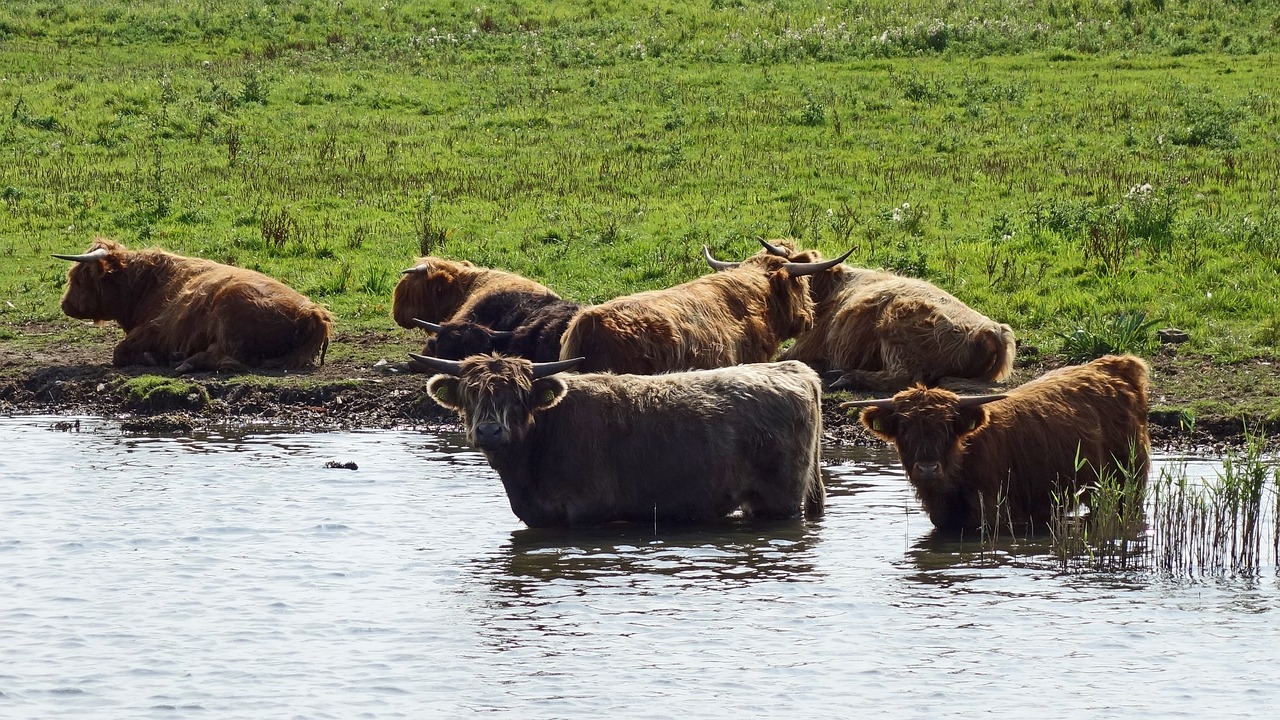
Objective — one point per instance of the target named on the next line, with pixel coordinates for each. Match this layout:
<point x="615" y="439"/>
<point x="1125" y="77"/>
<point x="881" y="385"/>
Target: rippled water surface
<point x="237" y="577"/>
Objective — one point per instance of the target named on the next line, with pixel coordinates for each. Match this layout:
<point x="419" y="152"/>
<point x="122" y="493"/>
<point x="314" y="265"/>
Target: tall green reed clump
<point x="1111" y="537"/>
<point x="1218" y="526"/>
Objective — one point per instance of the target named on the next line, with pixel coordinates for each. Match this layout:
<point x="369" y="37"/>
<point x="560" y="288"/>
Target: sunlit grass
<point x="1050" y="167"/>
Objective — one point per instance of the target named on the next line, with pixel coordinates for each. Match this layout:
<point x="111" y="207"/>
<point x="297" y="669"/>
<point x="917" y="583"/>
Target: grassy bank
<point x="1056" y="165"/>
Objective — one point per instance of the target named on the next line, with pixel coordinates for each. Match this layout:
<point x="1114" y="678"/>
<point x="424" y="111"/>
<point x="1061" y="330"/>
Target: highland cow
<point x="201" y="314"/>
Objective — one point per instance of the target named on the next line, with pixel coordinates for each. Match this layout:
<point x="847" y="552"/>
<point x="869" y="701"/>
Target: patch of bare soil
<point x="1194" y="402"/>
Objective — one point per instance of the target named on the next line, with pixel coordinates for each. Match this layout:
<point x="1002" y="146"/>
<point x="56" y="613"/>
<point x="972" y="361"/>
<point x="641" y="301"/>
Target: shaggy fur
<point x="579" y="450"/>
<point x="439" y="291"/>
<point x="726" y="318"/>
<point x="884" y="332"/>
<point x="536" y="337"/>
<point x="203" y="314"/>
<point x="1001" y="462"/>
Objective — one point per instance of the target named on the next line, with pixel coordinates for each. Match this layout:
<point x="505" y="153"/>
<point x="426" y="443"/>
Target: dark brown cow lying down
<point x="725" y="318"/>
<point x="203" y="314"/>
<point x="578" y="450"/>
<point x="881" y="331"/>
<point x="999" y="459"/>
<point x="536" y="337"/>
<point x="439" y="290"/>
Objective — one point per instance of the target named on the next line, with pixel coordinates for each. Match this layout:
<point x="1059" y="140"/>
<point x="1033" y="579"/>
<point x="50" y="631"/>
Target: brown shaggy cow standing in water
<point x="726" y="318"/>
<point x="203" y="314"/>
<point x="995" y="460"/>
<point x="881" y="331"/>
<point x="583" y="449"/>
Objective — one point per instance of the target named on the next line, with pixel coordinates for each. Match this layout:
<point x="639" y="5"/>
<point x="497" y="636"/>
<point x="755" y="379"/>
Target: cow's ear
<point x="548" y="392"/>
<point x="444" y="389"/>
<point x="970" y="419"/>
<point x="882" y="423"/>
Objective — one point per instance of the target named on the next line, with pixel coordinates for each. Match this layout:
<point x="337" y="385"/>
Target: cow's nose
<point x="488" y="434"/>
<point x="928" y="470"/>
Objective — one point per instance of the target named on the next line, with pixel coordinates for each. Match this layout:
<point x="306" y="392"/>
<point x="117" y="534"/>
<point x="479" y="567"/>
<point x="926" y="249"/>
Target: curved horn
<point x="971" y="400"/>
<point x="774" y="249"/>
<point x="448" y="367"/>
<point x="415" y="270"/>
<point x="502" y="334"/>
<point x="814" y="268"/>
<point x="541" y="370"/>
<point x="87" y="257"/>
<point x="427" y="325"/>
<point x="717" y="264"/>
<point x="879" y="403"/>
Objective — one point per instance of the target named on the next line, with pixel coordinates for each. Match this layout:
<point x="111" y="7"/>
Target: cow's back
<point x="1094" y="413"/>
<point x="711" y="322"/>
<point x="249" y="317"/>
<point x="683" y="446"/>
<point x="869" y="320"/>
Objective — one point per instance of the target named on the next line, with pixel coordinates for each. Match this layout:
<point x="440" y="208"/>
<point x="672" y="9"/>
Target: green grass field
<point x="1061" y="166"/>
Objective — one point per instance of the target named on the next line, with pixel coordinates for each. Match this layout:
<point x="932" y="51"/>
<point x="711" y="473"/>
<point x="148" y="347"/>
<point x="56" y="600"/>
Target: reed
<point x="1182" y="525"/>
<point x="1110" y="538"/>
<point x="1223" y="525"/>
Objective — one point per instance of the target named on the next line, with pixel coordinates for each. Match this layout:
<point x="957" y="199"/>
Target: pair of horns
<point x="454" y="367"/>
<point x="437" y="329"/>
<point x="963" y="401"/>
<point x="98" y="254"/>
<point x="792" y="268"/>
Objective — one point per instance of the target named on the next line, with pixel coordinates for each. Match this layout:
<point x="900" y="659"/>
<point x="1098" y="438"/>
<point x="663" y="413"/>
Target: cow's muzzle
<point x="489" y="435"/>
<point x="931" y="471"/>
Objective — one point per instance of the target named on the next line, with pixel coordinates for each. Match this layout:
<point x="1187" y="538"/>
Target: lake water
<point x="237" y="577"/>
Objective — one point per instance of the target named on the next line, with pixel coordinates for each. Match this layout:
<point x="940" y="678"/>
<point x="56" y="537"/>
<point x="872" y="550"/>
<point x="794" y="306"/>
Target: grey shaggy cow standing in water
<point x="579" y="450"/>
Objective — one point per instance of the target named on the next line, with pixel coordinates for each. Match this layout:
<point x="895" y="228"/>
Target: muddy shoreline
<point x="367" y="388"/>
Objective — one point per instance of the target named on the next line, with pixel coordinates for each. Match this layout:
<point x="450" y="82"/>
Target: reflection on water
<point x="231" y="574"/>
<point x="734" y="555"/>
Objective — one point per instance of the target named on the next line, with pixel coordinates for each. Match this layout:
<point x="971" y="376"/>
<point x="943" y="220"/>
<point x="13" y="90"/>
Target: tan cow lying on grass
<point x="201" y="314"/>
<point x="438" y="291"/>
<point x="997" y="460"/>
<point x="876" y="330"/>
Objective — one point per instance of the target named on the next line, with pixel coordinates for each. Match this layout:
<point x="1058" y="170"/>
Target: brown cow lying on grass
<point x="203" y="314"/>
<point x="725" y="318"/>
<point x="880" y="331"/>
<point x="579" y="450"/>
<point x="439" y="290"/>
<point x="996" y="460"/>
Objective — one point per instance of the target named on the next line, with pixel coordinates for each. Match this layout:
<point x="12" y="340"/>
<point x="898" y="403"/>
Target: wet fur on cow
<point x="585" y="449"/>
<point x="439" y="290"/>
<point x="202" y="314"/>
<point x="725" y="318"/>
<point x="1001" y="462"/>
<point x="880" y="331"/>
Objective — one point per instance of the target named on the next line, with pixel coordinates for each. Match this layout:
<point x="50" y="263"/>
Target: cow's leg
<point x="141" y="346"/>
<point x="780" y="489"/>
<point x="211" y="358"/>
<point x="202" y="360"/>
